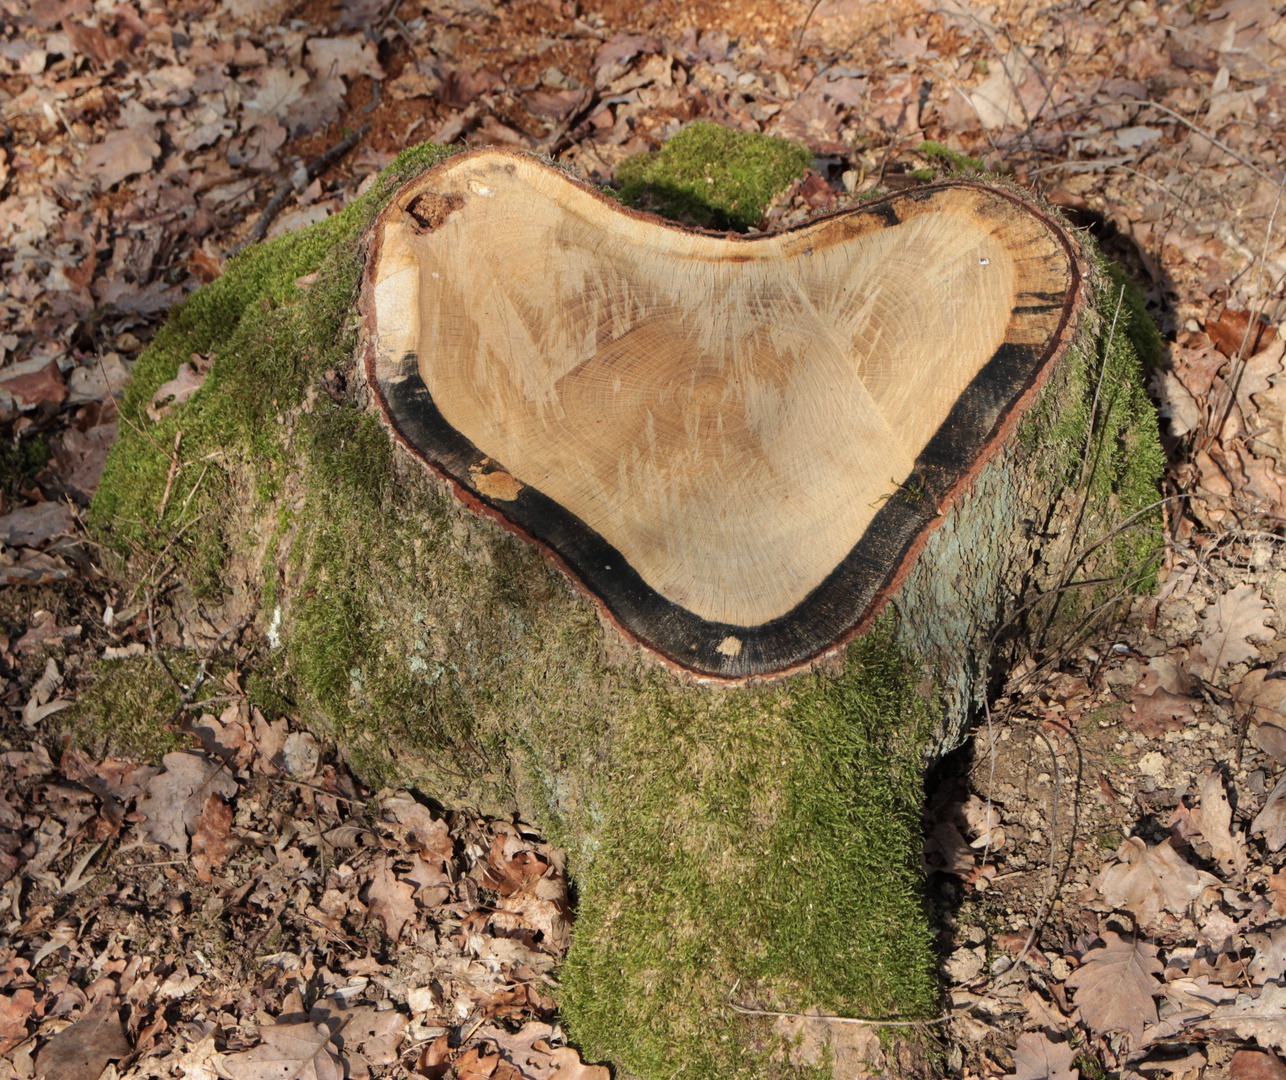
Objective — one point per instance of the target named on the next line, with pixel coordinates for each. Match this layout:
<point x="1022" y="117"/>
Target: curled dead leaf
<point x="175" y="392"/>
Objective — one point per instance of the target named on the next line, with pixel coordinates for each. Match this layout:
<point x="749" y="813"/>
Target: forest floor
<point x="1105" y="857"/>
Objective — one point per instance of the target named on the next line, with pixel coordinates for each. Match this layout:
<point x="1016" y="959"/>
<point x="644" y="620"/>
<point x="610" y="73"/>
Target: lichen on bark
<point x="766" y="837"/>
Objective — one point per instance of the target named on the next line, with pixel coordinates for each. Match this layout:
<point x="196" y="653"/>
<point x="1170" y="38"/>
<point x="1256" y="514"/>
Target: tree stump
<point x="715" y="539"/>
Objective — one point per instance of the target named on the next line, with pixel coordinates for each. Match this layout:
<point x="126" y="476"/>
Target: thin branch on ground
<point x="288" y="187"/>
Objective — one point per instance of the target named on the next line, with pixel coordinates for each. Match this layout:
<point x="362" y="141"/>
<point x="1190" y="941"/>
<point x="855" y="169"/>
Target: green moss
<point x="269" y="338"/>
<point x="712" y="176"/>
<point x="953" y="159"/>
<point x="124" y="711"/>
<point x="1097" y="423"/>
<point x="20" y="459"/>
<point x="1142" y="331"/>
<point x="761" y="843"/>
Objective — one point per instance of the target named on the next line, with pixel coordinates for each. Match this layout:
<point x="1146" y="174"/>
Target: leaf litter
<point x="143" y="144"/>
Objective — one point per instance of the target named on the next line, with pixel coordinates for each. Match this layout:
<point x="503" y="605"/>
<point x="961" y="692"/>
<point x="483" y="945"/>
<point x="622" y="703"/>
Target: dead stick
<point x="287" y="187"/>
<point x="839" y="1019"/>
<point x="169" y="479"/>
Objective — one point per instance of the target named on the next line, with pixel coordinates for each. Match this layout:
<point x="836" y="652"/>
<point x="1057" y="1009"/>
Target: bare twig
<point x="840" y="1019"/>
<point x="799" y="42"/>
<point x="1189" y="124"/>
<point x="169" y="477"/>
<point x="287" y="187"/>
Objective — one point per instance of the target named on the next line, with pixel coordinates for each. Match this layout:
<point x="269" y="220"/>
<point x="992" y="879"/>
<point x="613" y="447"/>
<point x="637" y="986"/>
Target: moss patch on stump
<point x="712" y="176"/>
<point x="765" y="838"/>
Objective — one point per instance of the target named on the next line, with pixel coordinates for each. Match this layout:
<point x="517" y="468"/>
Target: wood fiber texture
<point x="735" y="445"/>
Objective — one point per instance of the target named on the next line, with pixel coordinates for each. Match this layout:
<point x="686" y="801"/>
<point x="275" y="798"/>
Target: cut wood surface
<point x="736" y="445"/>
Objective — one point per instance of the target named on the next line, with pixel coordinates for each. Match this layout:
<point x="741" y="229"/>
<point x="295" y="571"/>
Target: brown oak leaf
<point x="1256" y="1065"/>
<point x="1116" y="986"/>
<point x="1146" y="881"/>
<point x="1229" y="623"/>
<point x="123" y="154"/>
<point x="298" y="1051"/>
<point x="1277" y="887"/>
<point x="1159" y="712"/>
<point x="15" y="1009"/>
<point x="177" y="797"/>
<point x="1271" y="820"/>
<point x="175" y="392"/>
<point x="1038" y="1057"/>
<point x="1264" y="690"/>
<point x="1271" y="739"/>
<point x="1213" y="820"/>
<point x="391" y="900"/>
<point x="1261" y="1017"/>
<point x="85" y="1048"/>
<point x="420" y="830"/>
<point x="1269" y="962"/>
<point x="210" y="841"/>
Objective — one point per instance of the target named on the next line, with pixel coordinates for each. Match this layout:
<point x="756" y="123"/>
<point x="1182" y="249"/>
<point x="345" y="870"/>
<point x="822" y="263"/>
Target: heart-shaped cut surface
<point x="734" y="444"/>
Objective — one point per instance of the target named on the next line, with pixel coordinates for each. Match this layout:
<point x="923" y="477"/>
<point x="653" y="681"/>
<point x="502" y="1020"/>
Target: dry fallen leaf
<point x="1198" y="995"/>
<point x="1213" y="819"/>
<point x="15" y="1009"/>
<point x="32" y="388"/>
<point x="851" y="1050"/>
<point x="391" y="900"/>
<point x="529" y="1050"/>
<point x="1147" y="881"/>
<point x="1229" y="622"/>
<point x="1265" y="690"/>
<point x="1238" y="333"/>
<point x="1156" y="713"/>
<point x="1271" y="739"/>
<point x="420" y="829"/>
<point x="1261" y="1017"/>
<point x="83" y="1050"/>
<point x="1038" y="1057"/>
<point x="983" y="818"/>
<point x="349" y="57"/>
<point x="542" y="906"/>
<point x="177" y="797"/>
<point x="375" y="1034"/>
<point x="1041" y="1015"/>
<point x="123" y="154"/>
<point x="210" y="840"/>
<point x="175" y="392"/>
<point x="1269" y="961"/>
<point x="946" y="850"/>
<point x="623" y="48"/>
<point x="287" y="1052"/>
<point x="1271" y="820"/>
<point x="1277" y="887"/>
<point x="1256" y="1065"/>
<point x="1168" y="672"/>
<point x="1116" y="986"/>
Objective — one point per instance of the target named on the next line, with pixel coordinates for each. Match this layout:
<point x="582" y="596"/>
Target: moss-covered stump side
<point x="1060" y="527"/>
<point x="766" y="838"/>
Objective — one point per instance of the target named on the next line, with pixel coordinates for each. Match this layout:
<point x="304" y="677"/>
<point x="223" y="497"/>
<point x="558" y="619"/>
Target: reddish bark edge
<point x="1011" y="414"/>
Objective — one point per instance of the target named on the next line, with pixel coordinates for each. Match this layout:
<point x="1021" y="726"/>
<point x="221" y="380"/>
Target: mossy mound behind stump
<point x="762" y="836"/>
